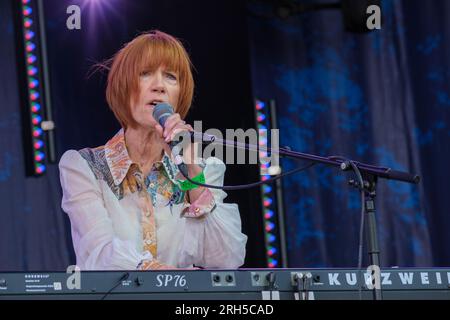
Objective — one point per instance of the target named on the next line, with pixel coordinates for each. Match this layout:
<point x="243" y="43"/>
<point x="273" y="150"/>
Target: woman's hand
<point x="173" y="126"/>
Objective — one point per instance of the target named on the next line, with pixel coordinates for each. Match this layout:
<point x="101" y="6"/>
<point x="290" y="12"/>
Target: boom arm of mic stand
<point x="382" y="172"/>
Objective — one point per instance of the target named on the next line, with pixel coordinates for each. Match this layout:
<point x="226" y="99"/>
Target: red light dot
<point x="28" y="22"/>
<point x="38" y="144"/>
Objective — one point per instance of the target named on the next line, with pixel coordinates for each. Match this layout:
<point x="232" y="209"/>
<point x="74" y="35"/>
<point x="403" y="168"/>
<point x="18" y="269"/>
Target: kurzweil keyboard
<point x="249" y="284"/>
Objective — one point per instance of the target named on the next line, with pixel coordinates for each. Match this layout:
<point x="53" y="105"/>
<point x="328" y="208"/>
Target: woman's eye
<point x="171" y="76"/>
<point x="145" y="73"/>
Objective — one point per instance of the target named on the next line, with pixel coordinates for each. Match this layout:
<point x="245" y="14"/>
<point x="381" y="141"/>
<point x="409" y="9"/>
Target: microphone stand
<point x="367" y="175"/>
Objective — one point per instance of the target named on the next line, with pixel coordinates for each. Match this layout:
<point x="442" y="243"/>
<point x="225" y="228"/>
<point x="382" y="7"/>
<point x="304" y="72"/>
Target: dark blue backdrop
<point x="380" y="98"/>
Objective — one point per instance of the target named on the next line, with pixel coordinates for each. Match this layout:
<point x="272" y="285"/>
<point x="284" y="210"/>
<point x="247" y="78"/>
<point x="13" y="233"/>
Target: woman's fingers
<point x="171" y="122"/>
<point x="179" y="128"/>
<point x="174" y="125"/>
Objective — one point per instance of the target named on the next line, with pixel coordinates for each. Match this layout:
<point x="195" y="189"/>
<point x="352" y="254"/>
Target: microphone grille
<point x="161" y="112"/>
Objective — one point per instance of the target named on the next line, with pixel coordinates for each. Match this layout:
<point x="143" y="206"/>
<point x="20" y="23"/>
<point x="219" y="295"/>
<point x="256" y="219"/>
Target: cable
<point x="283" y="151"/>
<point x="249" y="185"/>
<point x="361" y="227"/>
<point x="355" y="168"/>
<point x="299" y="285"/>
<point x="122" y="278"/>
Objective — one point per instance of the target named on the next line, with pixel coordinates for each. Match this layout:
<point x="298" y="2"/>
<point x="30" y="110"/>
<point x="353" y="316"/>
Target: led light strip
<point x="34" y="90"/>
<point x="267" y="192"/>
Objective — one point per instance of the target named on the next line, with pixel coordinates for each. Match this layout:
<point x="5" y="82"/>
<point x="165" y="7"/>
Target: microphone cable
<point x="122" y="278"/>
<point x="248" y="185"/>
<point x="344" y="166"/>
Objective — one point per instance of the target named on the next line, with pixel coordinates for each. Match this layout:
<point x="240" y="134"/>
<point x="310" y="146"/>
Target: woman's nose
<point x="158" y="84"/>
<point x="159" y="89"/>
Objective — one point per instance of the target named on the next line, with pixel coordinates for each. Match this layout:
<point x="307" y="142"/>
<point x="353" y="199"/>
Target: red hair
<point x="147" y="51"/>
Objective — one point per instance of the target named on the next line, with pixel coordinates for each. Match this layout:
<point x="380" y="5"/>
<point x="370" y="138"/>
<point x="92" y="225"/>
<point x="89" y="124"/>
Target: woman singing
<point x="129" y="206"/>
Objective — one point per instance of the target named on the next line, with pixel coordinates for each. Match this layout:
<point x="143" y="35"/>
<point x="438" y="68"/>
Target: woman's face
<point x="161" y="85"/>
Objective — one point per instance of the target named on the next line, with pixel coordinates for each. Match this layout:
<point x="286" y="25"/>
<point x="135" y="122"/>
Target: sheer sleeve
<point x="96" y="245"/>
<point x="214" y="239"/>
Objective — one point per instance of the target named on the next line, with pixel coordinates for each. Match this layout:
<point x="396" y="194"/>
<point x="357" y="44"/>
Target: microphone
<point x="163" y="110"/>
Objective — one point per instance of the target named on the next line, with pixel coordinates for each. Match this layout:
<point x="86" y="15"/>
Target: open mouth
<point x="154" y="102"/>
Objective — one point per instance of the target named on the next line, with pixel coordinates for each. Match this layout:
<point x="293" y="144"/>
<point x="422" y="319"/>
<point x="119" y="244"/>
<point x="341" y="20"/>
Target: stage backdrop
<point x="380" y="98"/>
